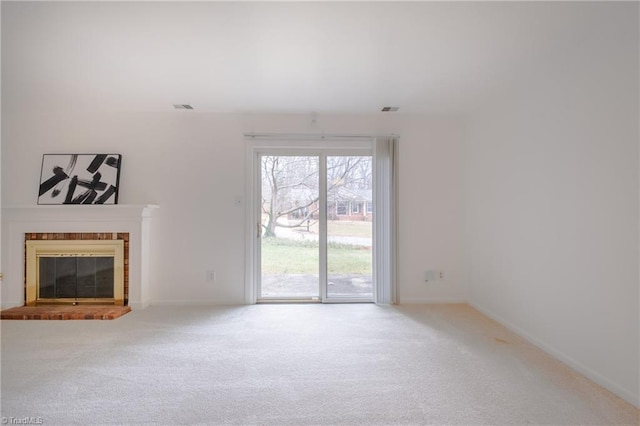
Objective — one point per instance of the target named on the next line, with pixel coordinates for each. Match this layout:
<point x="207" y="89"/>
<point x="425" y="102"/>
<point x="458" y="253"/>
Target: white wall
<point x="552" y="207"/>
<point x="431" y="211"/>
<point x="192" y="165"/>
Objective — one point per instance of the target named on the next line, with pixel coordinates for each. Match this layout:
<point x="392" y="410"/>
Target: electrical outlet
<point x="433" y="275"/>
<point x="211" y="276"/>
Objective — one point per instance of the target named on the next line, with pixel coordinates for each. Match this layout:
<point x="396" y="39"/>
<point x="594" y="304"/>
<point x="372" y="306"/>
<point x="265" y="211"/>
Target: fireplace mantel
<point x="19" y="220"/>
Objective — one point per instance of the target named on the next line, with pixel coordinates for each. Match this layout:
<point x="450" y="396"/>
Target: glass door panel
<point x="290" y="254"/>
<point x="349" y="227"/>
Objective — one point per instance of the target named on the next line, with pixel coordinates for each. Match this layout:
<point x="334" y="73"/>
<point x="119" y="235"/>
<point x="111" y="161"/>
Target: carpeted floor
<point x="358" y="364"/>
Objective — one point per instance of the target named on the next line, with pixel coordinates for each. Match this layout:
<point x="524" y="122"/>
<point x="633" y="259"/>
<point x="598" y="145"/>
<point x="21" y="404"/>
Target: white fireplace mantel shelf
<point x="72" y="213"/>
<point x="132" y="218"/>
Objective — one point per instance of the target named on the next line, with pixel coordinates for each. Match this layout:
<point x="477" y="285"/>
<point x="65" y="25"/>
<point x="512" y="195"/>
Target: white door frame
<point x="293" y="145"/>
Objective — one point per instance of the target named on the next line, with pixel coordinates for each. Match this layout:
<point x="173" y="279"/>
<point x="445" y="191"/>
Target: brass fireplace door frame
<point x="73" y="248"/>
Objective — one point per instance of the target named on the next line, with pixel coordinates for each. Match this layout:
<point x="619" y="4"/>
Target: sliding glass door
<point x="289" y="211"/>
<point x="349" y="227"/>
<point x="315" y="231"/>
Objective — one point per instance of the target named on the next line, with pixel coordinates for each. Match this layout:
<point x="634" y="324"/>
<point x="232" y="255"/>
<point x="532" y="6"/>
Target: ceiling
<point x="435" y="57"/>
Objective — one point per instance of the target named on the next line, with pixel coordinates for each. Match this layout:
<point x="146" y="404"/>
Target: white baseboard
<point x="194" y="302"/>
<point x="137" y="305"/>
<point x="429" y="300"/>
<point x="586" y="371"/>
<point x="11" y="304"/>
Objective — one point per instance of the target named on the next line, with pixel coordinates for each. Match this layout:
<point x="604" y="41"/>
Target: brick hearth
<point x="51" y="312"/>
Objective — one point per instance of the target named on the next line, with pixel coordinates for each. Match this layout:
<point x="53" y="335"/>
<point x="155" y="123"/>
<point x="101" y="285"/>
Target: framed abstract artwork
<point x="79" y="179"/>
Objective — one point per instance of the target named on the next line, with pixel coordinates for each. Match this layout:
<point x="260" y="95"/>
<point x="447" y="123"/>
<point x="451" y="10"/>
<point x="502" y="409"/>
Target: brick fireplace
<point x="129" y="223"/>
<point x="48" y="279"/>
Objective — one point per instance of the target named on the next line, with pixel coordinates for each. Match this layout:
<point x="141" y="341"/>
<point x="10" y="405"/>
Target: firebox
<point x="75" y="272"/>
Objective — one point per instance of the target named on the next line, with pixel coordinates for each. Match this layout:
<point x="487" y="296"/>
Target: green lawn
<point x="350" y="229"/>
<point x="283" y="256"/>
<point x="344" y="228"/>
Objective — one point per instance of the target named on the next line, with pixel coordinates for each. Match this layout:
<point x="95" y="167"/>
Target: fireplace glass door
<point x="82" y="277"/>
<point x="75" y="271"/>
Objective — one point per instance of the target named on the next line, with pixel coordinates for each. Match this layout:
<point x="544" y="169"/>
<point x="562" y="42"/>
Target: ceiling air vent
<point x="390" y="109"/>
<point x="182" y="106"/>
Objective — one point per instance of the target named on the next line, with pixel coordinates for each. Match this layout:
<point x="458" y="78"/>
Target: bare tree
<point x="290" y="186"/>
<point x="281" y="177"/>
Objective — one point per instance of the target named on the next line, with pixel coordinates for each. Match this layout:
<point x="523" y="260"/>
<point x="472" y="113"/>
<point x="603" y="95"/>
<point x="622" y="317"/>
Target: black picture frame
<point x="79" y="179"/>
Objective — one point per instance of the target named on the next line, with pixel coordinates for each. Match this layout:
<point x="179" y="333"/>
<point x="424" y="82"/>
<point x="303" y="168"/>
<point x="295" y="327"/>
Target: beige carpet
<point x="292" y="365"/>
